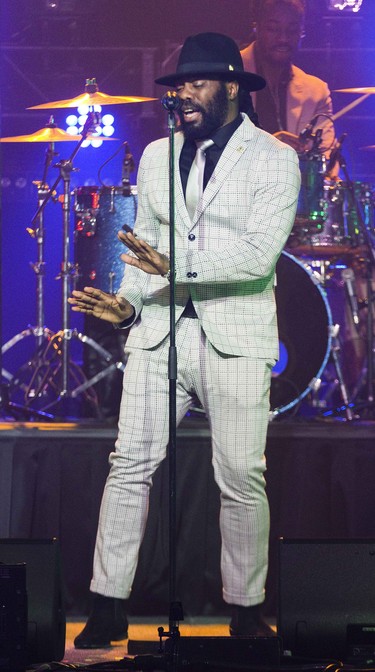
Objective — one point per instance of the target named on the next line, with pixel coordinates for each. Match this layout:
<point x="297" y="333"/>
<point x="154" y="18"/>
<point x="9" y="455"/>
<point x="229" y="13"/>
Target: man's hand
<point x="100" y="304"/>
<point x="146" y="258"/>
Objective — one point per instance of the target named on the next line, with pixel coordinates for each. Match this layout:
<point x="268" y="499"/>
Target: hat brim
<point x="248" y="80"/>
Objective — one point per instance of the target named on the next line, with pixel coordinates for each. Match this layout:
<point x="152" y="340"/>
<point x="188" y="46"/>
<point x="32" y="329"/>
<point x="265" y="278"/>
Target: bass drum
<point x="100" y="212"/>
<point x="305" y="321"/>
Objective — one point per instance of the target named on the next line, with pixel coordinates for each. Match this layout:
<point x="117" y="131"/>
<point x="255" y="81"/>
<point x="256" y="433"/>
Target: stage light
<point x="108" y="119"/>
<point x="76" y="123"/>
<point x="83" y="109"/>
<point x="71" y="120"/>
<point x="20" y="182"/>
<point x="344" y="5"/>
<point x="72" y="130"/>
<point x="108" y="131"/>
<point x="82" y="119"/>
<point x="96" y="142"/>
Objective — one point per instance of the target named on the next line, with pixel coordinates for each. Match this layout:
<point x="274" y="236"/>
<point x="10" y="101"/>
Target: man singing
<point x="232" y="221"/>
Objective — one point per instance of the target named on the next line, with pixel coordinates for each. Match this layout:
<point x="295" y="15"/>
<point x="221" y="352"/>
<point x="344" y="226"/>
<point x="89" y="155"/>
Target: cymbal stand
<point x="369" y="241"/>
<point x="51" y="370"/>
<point x="39" y="266"/>
<point x="59" y="376"/>
<point x="39" y="331"/>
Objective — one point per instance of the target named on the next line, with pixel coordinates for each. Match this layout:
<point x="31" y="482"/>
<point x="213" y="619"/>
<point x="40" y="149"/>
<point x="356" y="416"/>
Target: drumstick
<point x="346" y="109"/>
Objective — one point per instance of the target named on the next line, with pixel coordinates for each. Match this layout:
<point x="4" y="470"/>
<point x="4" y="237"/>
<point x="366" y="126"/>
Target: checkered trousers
<point x="235" y="394"/>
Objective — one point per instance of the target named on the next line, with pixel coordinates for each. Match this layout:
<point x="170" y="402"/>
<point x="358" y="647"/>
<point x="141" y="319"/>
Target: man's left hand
<point x="146" y="258"/>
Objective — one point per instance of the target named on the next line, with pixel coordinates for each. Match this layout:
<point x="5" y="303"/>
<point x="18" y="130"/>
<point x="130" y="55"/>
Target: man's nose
<point x="185" y="92"/>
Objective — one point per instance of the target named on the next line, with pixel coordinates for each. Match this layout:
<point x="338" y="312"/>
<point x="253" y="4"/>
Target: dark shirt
<point x="213" y="153"/>
<point x="271" y="105"/>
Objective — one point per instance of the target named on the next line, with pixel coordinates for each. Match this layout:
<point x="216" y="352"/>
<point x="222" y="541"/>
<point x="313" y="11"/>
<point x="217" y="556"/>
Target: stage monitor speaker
<point x="13" y="618"/>
<point x="46" y="614"/>
<point x="326" y="600"/>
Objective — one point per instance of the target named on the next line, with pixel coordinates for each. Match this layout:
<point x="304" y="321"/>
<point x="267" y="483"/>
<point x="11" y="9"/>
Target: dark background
<point x="48" y="51"/>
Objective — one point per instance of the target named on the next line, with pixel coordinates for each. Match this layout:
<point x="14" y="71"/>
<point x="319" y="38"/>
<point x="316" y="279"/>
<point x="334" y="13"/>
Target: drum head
<point x="304" y="320"/>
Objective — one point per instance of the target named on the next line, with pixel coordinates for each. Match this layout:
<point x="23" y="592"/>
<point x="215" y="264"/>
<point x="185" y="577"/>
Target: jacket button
<point x="194" y="275"/>
<point x="191" y="236"/>
<point x="188" y="275"/>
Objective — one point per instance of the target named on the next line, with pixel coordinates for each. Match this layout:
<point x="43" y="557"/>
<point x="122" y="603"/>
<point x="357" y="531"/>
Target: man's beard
<point x="213" y="117"/>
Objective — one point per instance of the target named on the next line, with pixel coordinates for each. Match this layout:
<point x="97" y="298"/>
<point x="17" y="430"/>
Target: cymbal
<point x="48" y="134"/>
<point x="95" y="98"/>
<point x="358" y="89"/>
<point x="45" y="134"/>
<point x="368" y="147"/>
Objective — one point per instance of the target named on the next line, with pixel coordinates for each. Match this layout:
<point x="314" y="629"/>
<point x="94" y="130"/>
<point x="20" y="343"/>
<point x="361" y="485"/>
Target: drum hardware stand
<point x="51" y="367"/>
<point x="335" y="349"/>
<point x="335" y="352"/>
<point x="40" y="332"/>
<point x="369" y="239"/>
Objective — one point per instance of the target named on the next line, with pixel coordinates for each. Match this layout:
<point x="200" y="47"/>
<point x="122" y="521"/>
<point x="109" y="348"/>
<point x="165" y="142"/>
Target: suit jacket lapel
<point x="231" y="154"/>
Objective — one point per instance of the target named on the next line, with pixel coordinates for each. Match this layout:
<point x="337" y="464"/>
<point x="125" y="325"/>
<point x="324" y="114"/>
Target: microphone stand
<point x="171" y="102"/>
<point x="168" y="657"/>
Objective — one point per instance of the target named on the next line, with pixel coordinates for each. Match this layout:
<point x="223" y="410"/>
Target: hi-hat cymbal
<point x="358" y="89"/>
<point x="95" y="98"/>
<point x="48" y="134"/>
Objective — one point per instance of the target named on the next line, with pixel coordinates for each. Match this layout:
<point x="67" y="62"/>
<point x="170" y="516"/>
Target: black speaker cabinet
<point x="327" y="598"/>
<point x="46" y="614"/>
<point x="13" y="618"/>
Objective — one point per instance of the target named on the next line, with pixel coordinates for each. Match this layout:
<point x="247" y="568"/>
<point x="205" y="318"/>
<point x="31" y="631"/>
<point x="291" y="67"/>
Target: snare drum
<point x="99" y="213"/>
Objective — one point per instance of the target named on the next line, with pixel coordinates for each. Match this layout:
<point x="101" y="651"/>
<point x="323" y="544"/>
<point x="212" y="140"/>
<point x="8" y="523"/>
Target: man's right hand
<point x="100" y="304"/>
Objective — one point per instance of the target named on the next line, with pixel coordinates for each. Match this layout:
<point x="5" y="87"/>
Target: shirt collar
<point x="223" y="134"/>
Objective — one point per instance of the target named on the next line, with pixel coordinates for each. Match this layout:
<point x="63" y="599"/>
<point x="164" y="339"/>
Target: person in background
<point x="292" y="99"/>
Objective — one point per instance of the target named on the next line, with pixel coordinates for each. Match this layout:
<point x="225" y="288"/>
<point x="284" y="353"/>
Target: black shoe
<point x="248" y="622"/>
<point x="107" y="622"/>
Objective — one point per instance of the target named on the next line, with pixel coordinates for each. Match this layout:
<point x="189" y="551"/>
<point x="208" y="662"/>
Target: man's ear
<point x="232" y="90"/>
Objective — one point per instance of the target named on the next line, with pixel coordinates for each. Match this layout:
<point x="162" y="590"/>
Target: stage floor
<point x="143" y="638"/>
<point x="319" y="480"/>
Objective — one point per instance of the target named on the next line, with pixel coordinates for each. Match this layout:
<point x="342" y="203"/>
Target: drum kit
<point x="323" y="294"/>
<point x="50" y="382"/>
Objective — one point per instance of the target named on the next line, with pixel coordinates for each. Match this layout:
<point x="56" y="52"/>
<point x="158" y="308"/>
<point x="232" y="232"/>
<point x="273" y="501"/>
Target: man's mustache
<point x="190" y="107"/>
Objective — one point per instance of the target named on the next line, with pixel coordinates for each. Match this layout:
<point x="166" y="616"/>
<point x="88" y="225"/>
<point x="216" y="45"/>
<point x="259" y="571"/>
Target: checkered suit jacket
<point x="226" y="255"/>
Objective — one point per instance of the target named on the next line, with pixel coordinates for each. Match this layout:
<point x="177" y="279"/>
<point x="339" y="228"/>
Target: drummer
<point x="292" y="98"/>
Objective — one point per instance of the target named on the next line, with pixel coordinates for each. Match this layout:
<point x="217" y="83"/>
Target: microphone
<point x="92" y="121"/>
<point x="171" y="101"/>
<point x="335" y="153"/>
<point x="306" y="133"/>
<point x="127" y="168"/>
<point x="347" y="275"/>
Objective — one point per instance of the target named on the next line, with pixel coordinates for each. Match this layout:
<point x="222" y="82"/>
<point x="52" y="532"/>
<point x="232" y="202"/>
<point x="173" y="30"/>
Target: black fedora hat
<point x="215" y="56"/>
